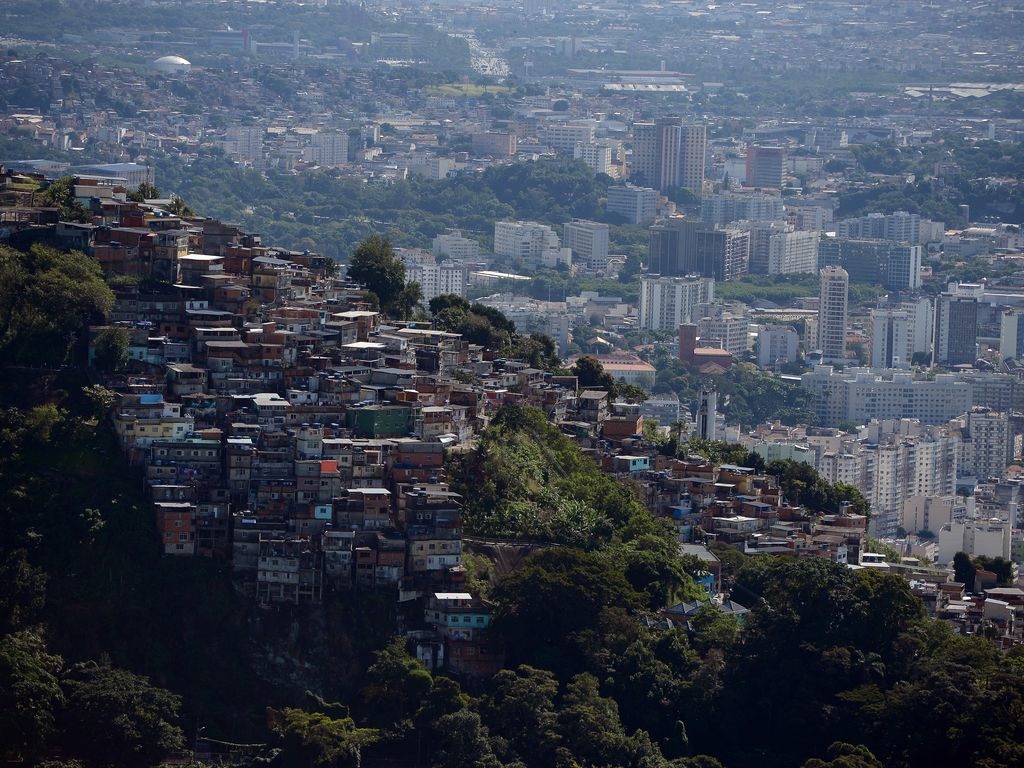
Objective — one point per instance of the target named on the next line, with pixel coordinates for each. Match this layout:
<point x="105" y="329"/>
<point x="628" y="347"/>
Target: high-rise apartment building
<point x="833" y="298"/>
<point x="808" y="216"/>
<point x="900" y="332"/>
<point x="670" y="153"/>
<point x="244" y="142"/>
<point x="860" y="394"/>
<point x="448" y="277"/>
<point x="956" y="329"/>
<point x="680" y="247"/>
<point x="727" y="207"/>
<point x="667" y="302"/>
<point x="896" y="266"/>
<point x="597" y="157"/>
<point x="900" y="227"/>
<point x="588" y="241"/>
<point x="1011" y="334"/>
<point x="792" y="252"/>
<point x="692" y="152"/>
<point x="760" y="239"/>
<point x="495" y="144"/>
<point x="766" y="167"/>
<point x="329" y="150"/>
<point x="638" y="204"/>
<point x="987" y="443"/>
<point x="707" y="410"/>
<point x="930" y="513"/>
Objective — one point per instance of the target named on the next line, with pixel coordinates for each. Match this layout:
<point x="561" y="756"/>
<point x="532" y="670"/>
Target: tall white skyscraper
<point x="597" y="157"/>
<point x="833" y="298"/>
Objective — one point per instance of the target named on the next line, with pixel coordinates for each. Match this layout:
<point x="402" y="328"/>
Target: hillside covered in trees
<point x="329" y="213"/>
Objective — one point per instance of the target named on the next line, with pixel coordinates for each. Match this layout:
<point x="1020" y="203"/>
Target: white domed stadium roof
<point x="172" y="64"/>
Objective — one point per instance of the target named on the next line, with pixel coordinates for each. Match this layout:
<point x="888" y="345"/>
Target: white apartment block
<point x="998" y="391"/>
<point x="862" y="394"/>
<point x="563" y="137"/>
<point x="813" y="217"/>
<point x="833" y="298"/>
<point x="597" y="157"/>
<point x="438" y="279"/>
<point x="454" y="246"/>
<point x="901" y="227"/>
<point x="793" y="252"/>
<point x="526" y="240"/>
<point x="899" y="332"/>
<point x="1011" y="334"/>
<point x="727" y="207"/>
<point x="244" y="142"/>
<point x="588" y="241"/>
<point x="930" y="513"/>
<point x="431" y="166"/>
<point x="725" y="330"/>
<point x="776" y="344"/>
<point x="329" y="150"/>
<point x="667" y="302"/>
<point x="892" y="336"/>
<point x="990" y="538"/>
<point x="891" y="461"/>
<point x="638" y="205"/>
<point x="986" y="443"/>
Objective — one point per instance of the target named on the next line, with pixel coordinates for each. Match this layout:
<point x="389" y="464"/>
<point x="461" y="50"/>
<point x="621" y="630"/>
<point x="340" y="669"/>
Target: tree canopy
<point x="373" y="264"/>
<point x="48" y="298"/>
